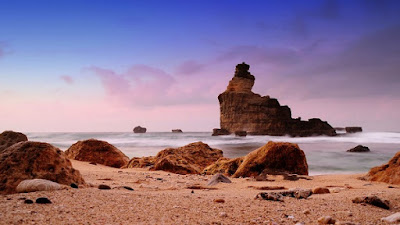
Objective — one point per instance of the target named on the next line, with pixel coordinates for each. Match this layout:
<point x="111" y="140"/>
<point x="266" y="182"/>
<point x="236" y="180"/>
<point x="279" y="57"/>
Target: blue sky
<point x="112" y="65"/>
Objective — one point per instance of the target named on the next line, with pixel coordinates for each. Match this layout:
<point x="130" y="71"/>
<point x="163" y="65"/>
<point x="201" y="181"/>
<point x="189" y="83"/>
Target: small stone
<point x="192" y="192"/>
<point x="128" y="188"/>
<point x="104" y="187"/>
<point x="272" y="196"/>
<point x="28" y="201"/>
<point x="219" y="200"/>
<point x="219" y="177"/>
<point x="320" y="190"/>
<point x="223" y="214"/>
<point x="373" y="200"/>
<point x="306" y="212"/>
<point x="43" y="200"/>
<point x="326" y="220"/>
<point x="390" y="186"/>
<point x="73" y="185"/>
<point x="345" y="223"/>
<point x="93" y="163"/>
<point x="394" y="218"/>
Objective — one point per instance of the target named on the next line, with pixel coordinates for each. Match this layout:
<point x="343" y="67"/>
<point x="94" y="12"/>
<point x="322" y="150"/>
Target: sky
<point x="88" y="66"/>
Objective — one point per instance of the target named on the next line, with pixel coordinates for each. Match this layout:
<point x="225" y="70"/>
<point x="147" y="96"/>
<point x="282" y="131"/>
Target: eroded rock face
<point x="30" y="160"/>
<point x="189" y="159"/>
<point x="243" y="110"/>
<point x="388" y="173"/>
<point x="139" y="129"/>
<point x="273" y="158"/>
<point x="97" y="151"/>
<point x="8" y="138"/>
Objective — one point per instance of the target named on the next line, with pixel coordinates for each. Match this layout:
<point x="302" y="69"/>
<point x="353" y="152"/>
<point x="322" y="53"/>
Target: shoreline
<point x="163" y="198"/>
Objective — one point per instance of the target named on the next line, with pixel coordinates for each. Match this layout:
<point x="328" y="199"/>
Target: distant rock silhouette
<point x="8" y="138"/>
<point x="243" y="110"/>
<point x="139" y="129"/>
<point x="359" y="148"/>
<point x="177" y="131"/>
<point x="217" y="132"/>
<point x="353" y="129"/>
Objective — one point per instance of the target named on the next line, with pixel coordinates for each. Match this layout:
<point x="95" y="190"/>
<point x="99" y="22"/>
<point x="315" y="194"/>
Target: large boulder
<point x="273" y="158"/>
<point x="189" y="159"/>
<point x="8" y="138"/>
<point x="389" y="172"/>
<point x="30" y="160"/>
<point x="224" y="165"/>
<point x="139" y="129"/>
<point x="243" y="110"/>
<point x="97" y="151"/>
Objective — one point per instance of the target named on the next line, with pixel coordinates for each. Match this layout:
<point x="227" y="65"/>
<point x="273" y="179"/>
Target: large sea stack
<point x="243" y="110"/>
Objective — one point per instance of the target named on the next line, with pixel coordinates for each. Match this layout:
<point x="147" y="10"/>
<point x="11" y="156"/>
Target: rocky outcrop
<point x="353" y="129"/>
<point x="189" y="159"/>
<point x="359" y="148"/>
<point x="224" y="165"/>
<point x="139" y="130"/>
<point x="8" y="138"/>
<point x="217" y="132"/>
<point x="389" y="172"/>
<point x="177" y="131"/>
<point x="243" y="110"/>
<point x="273" y="158"/>
<point x="97" y="151"/>
<point x="30" y="160"/>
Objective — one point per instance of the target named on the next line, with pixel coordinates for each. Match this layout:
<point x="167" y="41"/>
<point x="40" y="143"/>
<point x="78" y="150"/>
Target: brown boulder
<point x="389" y="172"/>
<point x="224" y="165"/>
<point x="359" y="148"/>
<point x="141" y="162"/>
<point x="97" y="151"/>
<point x="8" y="138"/>
<point x="30" y="160"/>
<point x="273" y="158"/>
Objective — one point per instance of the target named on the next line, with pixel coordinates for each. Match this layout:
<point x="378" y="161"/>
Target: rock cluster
<point x="243" y="110"/>
<point x="97" y="151"/>
<point x="30" y="160"/>
<point x="8" y="138"/>
<point x="389" y="172"/>
<point x="139" y="129"/>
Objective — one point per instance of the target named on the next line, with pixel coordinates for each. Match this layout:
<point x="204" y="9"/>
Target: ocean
<point x="325" y="155"/>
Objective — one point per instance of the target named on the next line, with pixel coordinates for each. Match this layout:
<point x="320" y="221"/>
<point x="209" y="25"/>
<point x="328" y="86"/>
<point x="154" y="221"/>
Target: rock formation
<point x="273" y="158"/>
<point x="30" y="160"/>
<point x="97" y="151"/>
<point x="224" y="165"/>
<point x="359" y="148"/>
<point x="243" y="110"/>
<point x="177" y="131"/>
<point x="8" y="138"/>
<point x="189" y="159"/>
<point x="139" y="129"/>
<point x="353" y="129"/>
<point x="389" y="172"/>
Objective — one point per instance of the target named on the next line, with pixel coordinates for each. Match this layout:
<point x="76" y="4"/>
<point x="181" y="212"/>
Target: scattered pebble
<point x="219" y="200"/>
<point x="128" y="188"/>
<point x="372" y="200"/>
<point x="73" y="185"/>
<point x="28" y="201"/>
<point x="272" y="196"/>
<point x="104" y="187"/>
<point x="326" y="220"/>
<point x="43" y="200"/>
<point x="223" y="214"/>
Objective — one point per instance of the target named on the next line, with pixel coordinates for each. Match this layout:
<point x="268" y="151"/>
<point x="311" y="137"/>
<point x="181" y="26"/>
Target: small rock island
<point x="243" y="110"/>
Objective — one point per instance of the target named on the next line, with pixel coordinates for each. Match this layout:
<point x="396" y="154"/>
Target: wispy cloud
<point x="190" y="67"/>
<point x="67" y="79"/>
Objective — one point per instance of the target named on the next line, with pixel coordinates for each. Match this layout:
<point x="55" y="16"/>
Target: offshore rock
<point x="353" y="129"/>
<point x="359" y="148"/>
<point x="243" y="110"/>
<point x="8" y="138"/>
<point x="139" y="129"/>
<point x="30" y="160"/>
<point x="217" y="132"/>
<point x="97" y="151"/>
<point x="177" y="131"/>
<point x="273" y="158"/>
<point x="389" y="172"/>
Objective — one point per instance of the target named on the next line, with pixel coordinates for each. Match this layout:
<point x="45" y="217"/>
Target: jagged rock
<point x="177" y="131"/>
<point x="394" y="218"/>
<point x="30" y="160"/>
<point x="139" y="129"/>
<point x="32" y="185"/>
<point x="243" y="110"/>
<point x="97" y="151"/>
<point x="217" y="178"/>
<point x="373" y="200"/>
<point x="241" y="133"/>
<point x="189" y="159"/>
<point x="8" y="138"/>
<point x="359" y="148"/>
<point x="223" y="165"/>
<point x="389" y="172"/>
<point x="273" y="158"/>
<point x="353" y="129"/>
<point x="217" y="132"/>
<point x="320" y="190"/>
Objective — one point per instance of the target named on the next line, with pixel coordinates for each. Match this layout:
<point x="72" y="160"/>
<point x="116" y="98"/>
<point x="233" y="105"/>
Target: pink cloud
<point x="67" y="79"/>
<point x="190" y="67"/>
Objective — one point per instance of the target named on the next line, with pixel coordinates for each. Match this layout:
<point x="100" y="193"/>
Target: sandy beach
<point x="164" y="198"/>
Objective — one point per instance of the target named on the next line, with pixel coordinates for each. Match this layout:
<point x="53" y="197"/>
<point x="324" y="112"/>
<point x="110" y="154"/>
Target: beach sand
<point x="163" y="198"/>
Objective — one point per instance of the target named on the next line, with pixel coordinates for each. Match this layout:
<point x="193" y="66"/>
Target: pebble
<point x="104" y="187"/>
<point x="223" y="214"/>
<point x="272" y="196"/>
<point x="73" y="185"/>
<point x="320" y="190"/>
<point x="43" y="200"/>
<point x="345" y="223"/>
<point x="28" y="201"/>
<point x="394" y="218"/>
<point x="326" y="220"/>
<point x="219" y="200"/>
<point x="306" y="212"/>
<point x="373" y="200"/>
<point x="128" y="188"/>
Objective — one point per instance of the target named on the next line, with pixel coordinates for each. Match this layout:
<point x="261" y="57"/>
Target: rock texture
<point x="141" y="162"/>
<point x="97" y="151"/>
<point x="243" y="110"/>
<point x="189" y="159"/>
<point x="32" y="185"/>
<point x="224" y="165"/>
<point x="273" y="158"/>
<point x="139" y="129"/>
<point x="8" y="138"/>
<point x="389" y="172"/>
<point x="359" y="148"/>
<point x="30" y="160"/>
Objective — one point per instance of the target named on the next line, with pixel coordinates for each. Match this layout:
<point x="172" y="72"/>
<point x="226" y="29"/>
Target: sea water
<point x="325" y="155"/>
